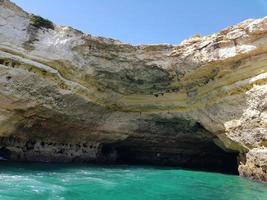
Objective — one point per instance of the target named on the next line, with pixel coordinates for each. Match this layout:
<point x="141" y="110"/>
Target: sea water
<point x="41" y="181"/>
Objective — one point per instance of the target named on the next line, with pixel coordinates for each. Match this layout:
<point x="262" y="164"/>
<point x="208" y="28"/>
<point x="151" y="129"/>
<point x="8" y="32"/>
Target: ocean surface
<point x="41" y="181"/>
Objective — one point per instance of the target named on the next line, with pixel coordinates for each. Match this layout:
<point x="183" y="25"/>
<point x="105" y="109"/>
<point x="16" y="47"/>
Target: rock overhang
<point x="63" y="86"/>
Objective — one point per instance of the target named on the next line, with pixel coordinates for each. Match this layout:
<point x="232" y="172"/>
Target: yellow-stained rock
<point x="63" y="91"/>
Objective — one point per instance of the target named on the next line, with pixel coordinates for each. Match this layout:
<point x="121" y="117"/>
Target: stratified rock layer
<point x="68" y="96"/>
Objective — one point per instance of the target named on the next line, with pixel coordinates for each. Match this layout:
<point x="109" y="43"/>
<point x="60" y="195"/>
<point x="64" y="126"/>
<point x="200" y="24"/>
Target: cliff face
<point x="68" y="96"/>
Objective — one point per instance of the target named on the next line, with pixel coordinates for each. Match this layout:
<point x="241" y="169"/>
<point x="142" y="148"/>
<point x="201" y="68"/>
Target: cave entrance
<point x="4" y="153"/>
<point x="191" y="155"/>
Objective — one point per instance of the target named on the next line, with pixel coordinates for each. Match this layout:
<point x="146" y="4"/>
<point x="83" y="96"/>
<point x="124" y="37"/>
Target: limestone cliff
<point x="68" y="96"/>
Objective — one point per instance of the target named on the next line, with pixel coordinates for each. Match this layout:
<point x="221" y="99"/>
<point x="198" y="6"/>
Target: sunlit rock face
<point x="68" y="96"/>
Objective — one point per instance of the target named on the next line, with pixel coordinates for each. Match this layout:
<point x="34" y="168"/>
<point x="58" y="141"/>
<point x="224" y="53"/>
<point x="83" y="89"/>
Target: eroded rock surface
<point x="68" y="96"/>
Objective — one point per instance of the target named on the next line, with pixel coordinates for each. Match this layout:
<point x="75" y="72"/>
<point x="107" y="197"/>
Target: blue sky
<point x="147" y="21"/>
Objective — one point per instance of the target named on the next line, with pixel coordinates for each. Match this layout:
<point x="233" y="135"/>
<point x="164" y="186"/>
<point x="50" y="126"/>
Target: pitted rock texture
<point x="255" y="164"/>
<point x="161" y="104"/>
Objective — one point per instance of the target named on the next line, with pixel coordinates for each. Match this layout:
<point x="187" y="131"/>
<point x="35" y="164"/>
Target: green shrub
<point x="40" y="22"/>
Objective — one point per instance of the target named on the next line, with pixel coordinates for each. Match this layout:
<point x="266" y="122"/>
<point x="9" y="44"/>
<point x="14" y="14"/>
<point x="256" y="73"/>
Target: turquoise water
<point x="41" y="181"/>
